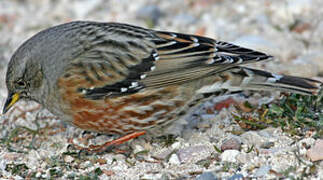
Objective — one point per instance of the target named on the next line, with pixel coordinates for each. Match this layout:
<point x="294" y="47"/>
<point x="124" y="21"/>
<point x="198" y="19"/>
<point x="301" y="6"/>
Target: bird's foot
<point x="107" y="146"/>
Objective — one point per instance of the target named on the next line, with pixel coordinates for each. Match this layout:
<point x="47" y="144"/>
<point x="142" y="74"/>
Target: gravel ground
<point x="34" y="143"/>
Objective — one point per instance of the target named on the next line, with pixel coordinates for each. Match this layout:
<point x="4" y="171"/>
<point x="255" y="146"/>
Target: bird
<point x="116" y="78"/>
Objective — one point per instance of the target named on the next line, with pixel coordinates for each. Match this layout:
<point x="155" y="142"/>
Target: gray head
<point x="38" y="60"/>
<point x="24" y="79"/>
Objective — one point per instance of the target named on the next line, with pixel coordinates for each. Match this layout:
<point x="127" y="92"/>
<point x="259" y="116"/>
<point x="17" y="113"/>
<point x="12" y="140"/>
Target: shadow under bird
<point x="122" y="79"/>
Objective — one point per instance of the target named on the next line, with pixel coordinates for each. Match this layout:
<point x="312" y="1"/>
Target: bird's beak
<point x="11" y="100"/>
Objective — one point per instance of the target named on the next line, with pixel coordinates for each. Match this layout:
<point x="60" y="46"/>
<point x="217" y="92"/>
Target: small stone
<point x="108" y="172"/>
<point x="138" y="148"/>
<point x="163" y="155"/>
<point x="206" y="176"/>
<point x="253" y="138"/>
<point x="101" y="161"/>
<point x="229" y="155"/>
<point x="267" y="145"/>
<point x="236" y="177"/>
<point x="68" y="159"/>
<point x="262" y="171"/>
<point x="174" y="159"/>
<point x="176" y="145"/>
<point x="232" y="143"/>
<point x="164" y="177"/>
<point x="151" y="176"/>
<point x="316" y="152"/>
<point x="193" y="153"/>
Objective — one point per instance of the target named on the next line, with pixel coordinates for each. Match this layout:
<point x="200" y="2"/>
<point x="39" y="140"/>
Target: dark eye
<point x="21" y="84"/>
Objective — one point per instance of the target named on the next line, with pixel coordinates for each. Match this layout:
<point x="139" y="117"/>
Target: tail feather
<point x="242" y="78"/>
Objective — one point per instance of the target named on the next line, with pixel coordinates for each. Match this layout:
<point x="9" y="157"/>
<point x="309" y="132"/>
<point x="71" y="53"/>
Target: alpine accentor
<point x="121" y="79"/>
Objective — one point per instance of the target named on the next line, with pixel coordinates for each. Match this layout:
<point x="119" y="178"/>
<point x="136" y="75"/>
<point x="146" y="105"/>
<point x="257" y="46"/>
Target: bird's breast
<point x="123" y="114"/>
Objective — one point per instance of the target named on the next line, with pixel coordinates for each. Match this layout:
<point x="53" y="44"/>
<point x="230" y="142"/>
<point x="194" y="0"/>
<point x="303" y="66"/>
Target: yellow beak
<point x="11" y="100"/>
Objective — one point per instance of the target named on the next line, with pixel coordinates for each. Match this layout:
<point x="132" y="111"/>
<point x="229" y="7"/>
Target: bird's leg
<point x="109" y="144"/>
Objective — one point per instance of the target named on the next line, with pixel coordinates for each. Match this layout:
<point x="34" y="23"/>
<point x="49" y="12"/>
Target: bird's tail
<point x="242" y="78"/>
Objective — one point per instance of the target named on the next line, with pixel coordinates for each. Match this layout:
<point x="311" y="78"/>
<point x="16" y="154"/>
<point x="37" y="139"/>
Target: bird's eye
<point x="21" y="84"/>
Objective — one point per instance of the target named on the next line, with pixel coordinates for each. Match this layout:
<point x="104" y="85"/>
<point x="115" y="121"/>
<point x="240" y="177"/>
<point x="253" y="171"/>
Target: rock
<point x="193" y="153"/>
<point x="174" y="159"/>
<point x="316" y="152"/>
<point x="232" y="143"/>
<point x="267" y="145"/>
<point x="229" y="155"/>
<point x="138" y="148"/>
<point x="243" y="157"/>
<point x="236" y="177"/>
<point x="163" y="154"/>
<point x="206" y="176"/>
<point x="253" y="138"/>
<point x="262" y="171"/>
<point x="152" y="176"/>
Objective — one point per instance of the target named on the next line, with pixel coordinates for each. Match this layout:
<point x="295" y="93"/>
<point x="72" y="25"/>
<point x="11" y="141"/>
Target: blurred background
<point x="290" y="30"/>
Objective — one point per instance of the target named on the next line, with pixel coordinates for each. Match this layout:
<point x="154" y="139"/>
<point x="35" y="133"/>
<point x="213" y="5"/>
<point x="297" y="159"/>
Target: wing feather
<point x="120" y="59"/>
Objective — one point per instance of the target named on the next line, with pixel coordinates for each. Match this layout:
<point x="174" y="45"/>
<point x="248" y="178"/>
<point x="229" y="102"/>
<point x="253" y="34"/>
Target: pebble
<point x="267" y="145"/>
<point x="262" y="171"/>
<point x="232" y="143"/>
<point x="229" y="155"/>
<point x="152" y="176"/>
<point x="236" y="177"/>
<point x="163" y="154"/>
<point x="206" y="176"/>
<point x="174" y="159"/>
<point x="193" y="153"/>
<point x="316" y="152"/>
<point x="253" y="138"/>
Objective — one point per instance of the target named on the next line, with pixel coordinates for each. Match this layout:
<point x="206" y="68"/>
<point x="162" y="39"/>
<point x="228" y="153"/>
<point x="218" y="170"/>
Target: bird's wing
<point x="130" y="59"/>
<point x="183" y="57"/>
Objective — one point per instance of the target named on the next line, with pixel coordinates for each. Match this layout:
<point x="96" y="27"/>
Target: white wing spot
<point x="124" y="89"/>
<point x="277" y="76"/>
<point x="196" y="44"/>
<point x="84" y="91"/>
<point x="134" y="84"/>
<point x="240" y="60"/>
<point x="171" y="43"/>
<point x="195" y="39"/>
<point x="174" y="35"/>
<point x="155" y="54"/>
<point x="92" y="87"/>
<point x="271" y="80"/>
<point x="153" y="68"/>
<point x="143" y="76"/>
